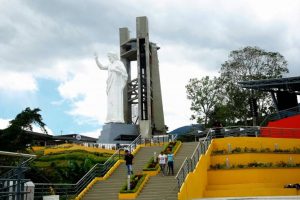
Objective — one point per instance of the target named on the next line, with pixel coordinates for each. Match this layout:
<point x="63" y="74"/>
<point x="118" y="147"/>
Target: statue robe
<point x="116" y="82"/>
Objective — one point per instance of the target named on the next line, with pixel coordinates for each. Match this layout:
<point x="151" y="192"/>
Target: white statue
<point x="116" y="81"/>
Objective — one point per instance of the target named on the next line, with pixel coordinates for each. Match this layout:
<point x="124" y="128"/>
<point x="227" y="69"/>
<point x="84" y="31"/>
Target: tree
<point x="250" y="63"/>
<point x="204" y="94"/>
<point x="16" y="136"/>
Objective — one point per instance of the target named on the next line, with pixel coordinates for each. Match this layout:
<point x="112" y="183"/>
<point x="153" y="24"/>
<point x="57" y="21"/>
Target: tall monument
<point x="143" y="90"/>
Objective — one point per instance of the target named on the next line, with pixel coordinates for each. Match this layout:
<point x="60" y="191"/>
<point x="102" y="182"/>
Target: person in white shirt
<point x="162" y="160"/>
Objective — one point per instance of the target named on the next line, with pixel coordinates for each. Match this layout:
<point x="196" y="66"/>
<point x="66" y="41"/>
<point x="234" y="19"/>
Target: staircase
<point x="109" y="189"/>
<point x="165" y="187"/>
<point x="245" y="167"/>
<point x="255" y="181"/>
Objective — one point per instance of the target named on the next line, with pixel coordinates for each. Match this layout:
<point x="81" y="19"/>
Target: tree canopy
<point x="249" y="63"/>
<point x="15" y="137"/>
<point x="204" y="94"/>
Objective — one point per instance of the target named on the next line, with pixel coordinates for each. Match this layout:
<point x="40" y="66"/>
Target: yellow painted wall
<point x="236" y="176"/>
<point x="245" y="158"/>
<point x="255" y="142"/>
<point x="196" y="181"/>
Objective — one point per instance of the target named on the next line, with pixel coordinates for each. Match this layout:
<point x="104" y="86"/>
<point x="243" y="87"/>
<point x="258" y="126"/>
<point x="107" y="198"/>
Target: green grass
<point x="65" y="167"/>
<point x="74" y="155"/>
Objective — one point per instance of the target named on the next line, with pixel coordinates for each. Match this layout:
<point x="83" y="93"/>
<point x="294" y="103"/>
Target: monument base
<point x="113" y="133"/>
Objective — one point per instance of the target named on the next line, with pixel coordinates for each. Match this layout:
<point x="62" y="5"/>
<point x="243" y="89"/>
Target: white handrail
<point x="6" y="153"/>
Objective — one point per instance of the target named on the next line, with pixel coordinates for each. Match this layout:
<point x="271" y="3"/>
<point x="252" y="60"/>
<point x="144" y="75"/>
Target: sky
<point x="47" y="51"/>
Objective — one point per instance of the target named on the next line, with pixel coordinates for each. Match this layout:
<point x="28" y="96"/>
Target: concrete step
<point x="165" y="187"/>
<point x="109" y="189"/>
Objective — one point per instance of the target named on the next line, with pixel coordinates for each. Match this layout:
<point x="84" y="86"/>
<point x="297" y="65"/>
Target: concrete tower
<point x="143" y="90"/>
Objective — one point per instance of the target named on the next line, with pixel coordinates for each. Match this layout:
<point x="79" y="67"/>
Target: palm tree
<point x="15" y="137"/>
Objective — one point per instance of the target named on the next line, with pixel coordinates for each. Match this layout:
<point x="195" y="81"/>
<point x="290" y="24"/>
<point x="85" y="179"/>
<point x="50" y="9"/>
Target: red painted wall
<point x="284" y="128"/>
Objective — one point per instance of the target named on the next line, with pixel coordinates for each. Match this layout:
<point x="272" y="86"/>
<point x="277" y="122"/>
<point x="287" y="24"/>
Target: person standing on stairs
<point x="162" y="159"/>
<point x="128" y="158"/>
<point x="170" y="157"/>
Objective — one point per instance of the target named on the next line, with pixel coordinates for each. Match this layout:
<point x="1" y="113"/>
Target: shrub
<point x="171" y="147"/>
<point x="265" y="150"/>
<point x="135" y="183"/>
<point x="281" y="164"/>
<point x="240" y="166"/>
<point x="218" y="166"/>
<point x="216" y="152"/>
<point x="151" y="165"/>
<point x="237" y="150"/>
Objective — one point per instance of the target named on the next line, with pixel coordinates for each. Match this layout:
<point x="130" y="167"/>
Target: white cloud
<point x="85" y="89"/>
<point x="50" y="40"/>
<point x="17" y="82"/>
<point x="37" y="129"/>
<point x="4" y="123"/>
<point x="93" y="134"/>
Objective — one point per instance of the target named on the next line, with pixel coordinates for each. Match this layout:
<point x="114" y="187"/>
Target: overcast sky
<point x="47" y="48"/>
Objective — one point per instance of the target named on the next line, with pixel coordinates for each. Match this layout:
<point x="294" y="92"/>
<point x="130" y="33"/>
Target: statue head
<point x="112" y="56"/>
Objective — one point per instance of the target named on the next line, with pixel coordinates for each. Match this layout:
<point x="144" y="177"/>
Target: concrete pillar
<point x="144" y="76"/>
<point x="124" y="37"/>
<point x="157" y="106"/>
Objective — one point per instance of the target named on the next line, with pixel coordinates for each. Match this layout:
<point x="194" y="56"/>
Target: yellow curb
<point x="90" y="185"/>
<point x="178" y="147"/>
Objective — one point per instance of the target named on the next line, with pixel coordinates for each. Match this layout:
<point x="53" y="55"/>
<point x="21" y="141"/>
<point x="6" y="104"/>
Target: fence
<point x="98" y="170"/>
<point x="12" y="182"/>
<point x="189" y="164"/>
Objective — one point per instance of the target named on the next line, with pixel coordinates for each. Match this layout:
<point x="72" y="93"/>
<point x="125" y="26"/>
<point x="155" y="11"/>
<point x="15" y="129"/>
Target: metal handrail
<point x="22" y="167"/>
<point x="12" y="181"/>
<point x="180" y="169"/>
<point x="6" y="153"/>
<point x="96" y="171"/>
<point x="190" y="163"/>
<point x="196" y="149"/>
<point x="203" y="145"/>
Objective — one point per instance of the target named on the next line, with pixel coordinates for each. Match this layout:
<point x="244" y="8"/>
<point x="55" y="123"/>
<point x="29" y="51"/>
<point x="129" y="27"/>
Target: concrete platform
<point x="111" y="131"/>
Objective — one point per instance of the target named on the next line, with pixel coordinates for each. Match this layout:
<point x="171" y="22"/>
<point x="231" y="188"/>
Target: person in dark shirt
<point x="128" y="158"/>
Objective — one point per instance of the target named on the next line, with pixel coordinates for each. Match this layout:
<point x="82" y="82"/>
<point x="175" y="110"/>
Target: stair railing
<point x="28" y="158"/>
<point x="97" y="170"/>
<point x="189" y="164"/>
<point x="12" y="182"/>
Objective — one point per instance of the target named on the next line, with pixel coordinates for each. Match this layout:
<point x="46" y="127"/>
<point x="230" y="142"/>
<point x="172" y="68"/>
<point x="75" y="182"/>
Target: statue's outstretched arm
<point x="99" y="64"/>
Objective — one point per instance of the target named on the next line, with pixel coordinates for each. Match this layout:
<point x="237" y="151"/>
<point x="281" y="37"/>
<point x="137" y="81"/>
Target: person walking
<point x="170" y="158"/>
<point x="162" y="158"/>
<point x="128" y="158"/>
